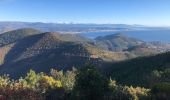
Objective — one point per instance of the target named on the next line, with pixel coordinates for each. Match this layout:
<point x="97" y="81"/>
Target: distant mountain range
<point x="71" y="28"/>
<point x="27" y="48"/>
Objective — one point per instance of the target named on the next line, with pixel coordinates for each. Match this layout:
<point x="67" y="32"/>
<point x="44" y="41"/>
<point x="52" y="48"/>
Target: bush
<point x="67" y="79"/>
<point x="84" y="84"/>
<point x="118" y="92"/>
<point x="90" y="84"/>
<point x="161" y="91"/>
<point x="48" y="82"/>
<point x="16" y="90"/>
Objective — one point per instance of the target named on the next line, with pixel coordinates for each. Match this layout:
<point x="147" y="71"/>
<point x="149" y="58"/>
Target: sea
<point x="145" y="35"/>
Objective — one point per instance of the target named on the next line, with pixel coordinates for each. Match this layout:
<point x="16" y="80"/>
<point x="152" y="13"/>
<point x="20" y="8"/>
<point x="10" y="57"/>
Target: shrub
<point x="90" y="84"/>
<point x="67" y="79"/>
<point x="15" y="90"/>
<point x="161" y="91"/>
<point x="50" y="82"/>
<point x="118" y="92"/>
<point x="32" y="79"/>
<point x="84" y="84"/>
<point x="52" y="88"/>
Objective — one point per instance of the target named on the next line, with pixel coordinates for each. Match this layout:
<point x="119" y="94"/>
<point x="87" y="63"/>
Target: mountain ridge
<point x="42" y="51"/>
<point x="142" y="71"/>
<point x="13" y="36"/>
<point x="70" y="27"/>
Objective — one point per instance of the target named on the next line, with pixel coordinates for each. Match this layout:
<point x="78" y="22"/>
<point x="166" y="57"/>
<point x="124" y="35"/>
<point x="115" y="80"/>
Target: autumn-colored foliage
<point x="86" y="83"/>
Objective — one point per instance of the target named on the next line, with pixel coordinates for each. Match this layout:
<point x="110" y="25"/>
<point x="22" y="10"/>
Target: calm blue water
<point x="146" y="35"/>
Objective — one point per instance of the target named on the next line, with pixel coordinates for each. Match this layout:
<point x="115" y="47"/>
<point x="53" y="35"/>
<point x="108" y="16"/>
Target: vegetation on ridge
<point x="83" y="84"/>
<point x="142" y="71"/>
<point x="15" y="35"/>
<point x="86" y="83"/>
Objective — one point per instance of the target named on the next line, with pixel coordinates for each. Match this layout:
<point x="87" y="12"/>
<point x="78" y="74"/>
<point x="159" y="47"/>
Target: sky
<point x="144" y="12"/>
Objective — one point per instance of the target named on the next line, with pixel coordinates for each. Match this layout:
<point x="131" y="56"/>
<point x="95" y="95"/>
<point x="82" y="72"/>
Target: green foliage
<point x="67" y="78"/>
<point x="158" y="76"/>
<point x="86" y="83"/>
<point x="119" y="92"/>
<point x="17" y="90"/>
<point x="57" y="74"/>
<point x="50" y="82"/>
<point x="90" y="84"/>
<point x="161" y="91"/>
<point x="32" y="79"/>
<point x="5" y="81"/>
<point x="35" y="86"/>
<point x="143" y="71"/>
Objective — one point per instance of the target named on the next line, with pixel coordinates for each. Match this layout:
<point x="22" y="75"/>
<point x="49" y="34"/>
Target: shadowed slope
<point x="13" y="36"/>
<point x="44" y="51"/>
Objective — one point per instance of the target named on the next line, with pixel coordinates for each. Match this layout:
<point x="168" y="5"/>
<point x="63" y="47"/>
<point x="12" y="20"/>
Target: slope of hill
<point x="144" y="49"/>
<point x="121" y="43"/>
<point x="116" y="42"/>
<point x="42" y="52"/>
<point x="26" y="49"/>
<point x="13" y="36"/>
<point x="4" y="51"/>
<point x="143" y="71"/>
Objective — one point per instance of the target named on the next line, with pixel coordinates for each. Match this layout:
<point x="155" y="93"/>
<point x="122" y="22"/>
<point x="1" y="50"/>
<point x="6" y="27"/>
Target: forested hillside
<point x="13" y="36"/>
<point x="142" y="71"/>
<point x="135" y="72"/>
<point x="43" y="51"/>
<point x="26" y="49"/>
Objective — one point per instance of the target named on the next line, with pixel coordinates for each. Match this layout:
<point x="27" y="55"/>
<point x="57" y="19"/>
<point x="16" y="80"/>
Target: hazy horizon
<point x="85" y="23"/>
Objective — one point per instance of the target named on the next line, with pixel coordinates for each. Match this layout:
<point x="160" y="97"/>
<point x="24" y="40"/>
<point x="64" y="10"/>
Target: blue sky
<point x="146" y="12"/>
